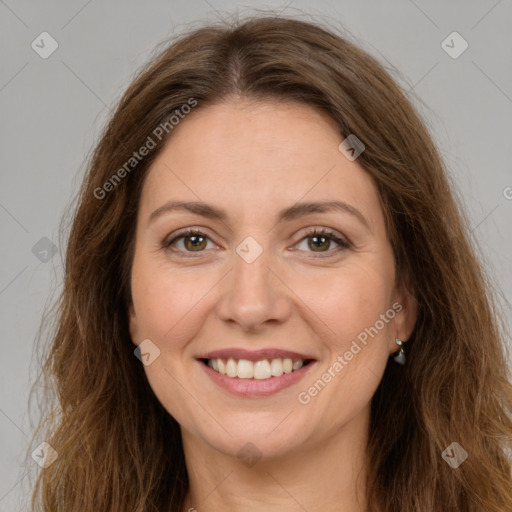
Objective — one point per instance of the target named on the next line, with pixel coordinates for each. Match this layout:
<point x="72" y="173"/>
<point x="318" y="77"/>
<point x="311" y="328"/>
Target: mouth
<point x="255" y="373"/>
<point x="262" y="369"/>
<point x="261" y="364"/>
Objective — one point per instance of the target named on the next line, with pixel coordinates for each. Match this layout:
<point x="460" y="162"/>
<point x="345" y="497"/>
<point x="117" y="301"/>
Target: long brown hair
<point x="118" y="448"/>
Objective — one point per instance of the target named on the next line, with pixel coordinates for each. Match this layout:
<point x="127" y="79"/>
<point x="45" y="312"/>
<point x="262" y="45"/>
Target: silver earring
<point x="399" y="357"/>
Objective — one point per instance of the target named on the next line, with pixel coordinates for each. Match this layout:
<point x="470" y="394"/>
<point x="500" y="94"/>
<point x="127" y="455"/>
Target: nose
<point x="253" y="295"/>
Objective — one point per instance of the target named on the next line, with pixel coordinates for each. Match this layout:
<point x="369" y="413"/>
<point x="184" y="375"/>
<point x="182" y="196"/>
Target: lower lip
<point x="256" y="387"/>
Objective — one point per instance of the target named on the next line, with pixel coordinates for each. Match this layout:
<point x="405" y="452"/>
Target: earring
<point x="399" y="357"/>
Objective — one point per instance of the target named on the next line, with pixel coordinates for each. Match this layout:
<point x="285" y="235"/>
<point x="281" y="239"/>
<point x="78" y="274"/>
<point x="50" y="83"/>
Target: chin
<point x="267" y="435"/>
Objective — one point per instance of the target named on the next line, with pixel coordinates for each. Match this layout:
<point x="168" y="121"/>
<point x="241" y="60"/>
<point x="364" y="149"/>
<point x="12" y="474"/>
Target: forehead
<point x="253" y="156"/>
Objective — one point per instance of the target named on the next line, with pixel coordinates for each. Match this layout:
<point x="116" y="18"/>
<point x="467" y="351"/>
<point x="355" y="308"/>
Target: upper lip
<point x="254" y="355"/>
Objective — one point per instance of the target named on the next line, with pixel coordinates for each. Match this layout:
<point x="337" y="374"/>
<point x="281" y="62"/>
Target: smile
<point x="261" y="370"/>
<point x="255" y="373"/>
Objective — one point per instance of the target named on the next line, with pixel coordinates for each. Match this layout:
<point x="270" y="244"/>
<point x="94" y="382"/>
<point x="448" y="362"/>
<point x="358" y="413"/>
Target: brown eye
<point x="196" y="242"/>
<point x="318" y="242"/>
<point x="187" y="242"/>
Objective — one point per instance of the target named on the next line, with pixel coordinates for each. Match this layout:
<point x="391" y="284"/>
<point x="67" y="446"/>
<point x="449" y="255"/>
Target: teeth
<point x="276" y="368"/>
<point x="245" y="369"/>
<point x="262" y="370"/>
<point x="231" y="368"/>
<point x="297" y="365"/>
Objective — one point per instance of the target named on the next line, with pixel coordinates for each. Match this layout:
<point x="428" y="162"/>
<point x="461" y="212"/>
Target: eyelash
<point x="313" y="233"/>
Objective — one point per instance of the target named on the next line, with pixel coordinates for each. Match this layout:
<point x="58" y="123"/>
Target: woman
<point x="270" y="299"/>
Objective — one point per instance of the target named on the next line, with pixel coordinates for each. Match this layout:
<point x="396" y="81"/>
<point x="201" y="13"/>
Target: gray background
<point x="52" y="111"/>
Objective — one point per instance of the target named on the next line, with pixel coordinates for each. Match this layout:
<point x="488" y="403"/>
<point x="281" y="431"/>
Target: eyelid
<point x="328" y="232"/>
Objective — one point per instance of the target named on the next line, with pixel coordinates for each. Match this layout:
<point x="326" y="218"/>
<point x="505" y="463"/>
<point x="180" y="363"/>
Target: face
<point x="263" y="276"/>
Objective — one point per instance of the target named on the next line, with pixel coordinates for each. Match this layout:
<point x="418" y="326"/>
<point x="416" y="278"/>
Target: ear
<point x="133" y="323"/>
<point x="407" y="314"/>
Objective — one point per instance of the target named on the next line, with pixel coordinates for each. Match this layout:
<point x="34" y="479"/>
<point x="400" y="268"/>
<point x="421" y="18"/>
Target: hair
<point x="119" y="449"/>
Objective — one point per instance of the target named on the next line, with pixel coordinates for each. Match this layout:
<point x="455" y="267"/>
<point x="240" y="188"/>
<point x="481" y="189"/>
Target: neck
<point x="329" y="475"/>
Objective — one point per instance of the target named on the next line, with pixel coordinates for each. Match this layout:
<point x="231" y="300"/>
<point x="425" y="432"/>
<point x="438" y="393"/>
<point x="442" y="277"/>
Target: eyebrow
<point x="288" y="214"/>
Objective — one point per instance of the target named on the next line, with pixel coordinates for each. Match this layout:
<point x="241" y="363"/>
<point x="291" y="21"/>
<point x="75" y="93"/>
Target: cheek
<point x="165" y="301"/>
<point x="169" y="306"/>
<point x="357" y="346"/>
<point x="350" y="300"/>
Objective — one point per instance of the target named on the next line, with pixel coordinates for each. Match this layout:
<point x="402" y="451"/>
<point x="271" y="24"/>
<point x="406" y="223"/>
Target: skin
<point x="252" y="160"/>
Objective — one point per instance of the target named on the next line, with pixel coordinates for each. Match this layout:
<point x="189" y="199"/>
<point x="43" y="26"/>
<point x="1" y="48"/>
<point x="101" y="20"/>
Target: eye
<point x="319" y="241"/>
<point x="190" y="240"/>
